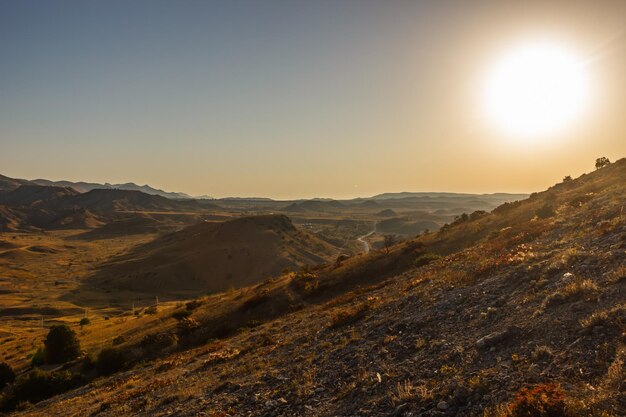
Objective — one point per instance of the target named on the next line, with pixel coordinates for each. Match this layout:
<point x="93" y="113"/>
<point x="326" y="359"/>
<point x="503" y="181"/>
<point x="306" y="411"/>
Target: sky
<point x="294" y="99"/>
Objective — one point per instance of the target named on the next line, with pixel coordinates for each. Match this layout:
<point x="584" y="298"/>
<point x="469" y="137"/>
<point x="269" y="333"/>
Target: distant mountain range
<point x="425" y="195"/>
<point x="10" y="184"/>
<point x="84" y="187"/>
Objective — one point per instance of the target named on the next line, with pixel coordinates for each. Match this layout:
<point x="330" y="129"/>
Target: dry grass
<point x="406" y="391"/>
<point x="613" y="317"/>
<point x="542" y="353"/>
<point x="500" y="410"/>
<point x="570" y="292"/>
<point x="344" y="316"/>
<point x="616" y="374"/>
<point x="619" y="275"/>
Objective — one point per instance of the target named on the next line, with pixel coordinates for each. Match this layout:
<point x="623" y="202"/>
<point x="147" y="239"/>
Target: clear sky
<point x="293" y="99"/>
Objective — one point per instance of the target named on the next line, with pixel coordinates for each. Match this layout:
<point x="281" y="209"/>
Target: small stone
<point x="442" y="405"/>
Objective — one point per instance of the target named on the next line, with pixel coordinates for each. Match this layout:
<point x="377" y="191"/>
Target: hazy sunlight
<point x="535" y="90"/>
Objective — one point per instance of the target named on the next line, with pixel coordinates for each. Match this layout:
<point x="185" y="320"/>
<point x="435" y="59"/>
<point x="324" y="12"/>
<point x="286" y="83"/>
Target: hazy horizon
<point x="286" y="100"/>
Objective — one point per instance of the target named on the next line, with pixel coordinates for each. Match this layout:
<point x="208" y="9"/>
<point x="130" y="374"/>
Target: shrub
<point x="187" y="326"/>
<point x="39" y="358"/>
<point x="570" y="292"/>
<point x="545" y="211"/>
<point x="305" y="281"/>
<point x="110" y="360"/>
<point x="84" y="321"/>
<point x="118" y="340"/>
<point x="348" y="315"/>
<point x="7" y="375"/>
<point x="151" y="310"/>
<point x="38" y="385"/>
<point x="546" y="400"/>
<point x="87" y="363"/>
<point x="158" y="341"/>
<point x="61" y="344"/>
<point x="425" y="259"/>
<point x="181" y="314"/>
<point x="602" y="162"/>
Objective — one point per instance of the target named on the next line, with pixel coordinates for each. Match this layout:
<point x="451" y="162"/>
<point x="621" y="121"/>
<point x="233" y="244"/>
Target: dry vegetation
<point x="519" y="312"/>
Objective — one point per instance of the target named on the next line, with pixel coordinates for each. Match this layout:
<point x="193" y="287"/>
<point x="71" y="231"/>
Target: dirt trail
<point x="365" y="243"/>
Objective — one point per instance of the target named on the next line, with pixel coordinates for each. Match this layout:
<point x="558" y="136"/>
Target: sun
<point x="536" y="90"/>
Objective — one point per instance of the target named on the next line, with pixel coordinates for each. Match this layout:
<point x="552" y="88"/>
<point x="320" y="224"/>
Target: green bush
<point x="157" y="342"/>
<point x="38" y="358"/>
<point x="84" y="321"/>
<point x="61" y="344"/>
<point x="38" y="385"/>
<point x="118" y="340"/>
<point x="425" y="259"/>
<point x="306" y="282"/>
<point x="110" y="360"/>
<point x="7" y="375"/>
<point x="181" y="314"/>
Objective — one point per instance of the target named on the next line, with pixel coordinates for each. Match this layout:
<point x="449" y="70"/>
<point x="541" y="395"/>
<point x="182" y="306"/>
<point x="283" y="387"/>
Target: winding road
<point x="362" y="241"/>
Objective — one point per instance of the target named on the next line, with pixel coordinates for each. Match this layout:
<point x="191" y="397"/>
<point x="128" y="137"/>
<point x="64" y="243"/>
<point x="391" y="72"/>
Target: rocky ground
<point x="542" y="300"/>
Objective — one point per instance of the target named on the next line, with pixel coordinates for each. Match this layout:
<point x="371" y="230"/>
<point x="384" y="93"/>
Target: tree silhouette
<point x="388" y="242"/>
<point x="602" y="162"/>
<point x="61" y="344"/>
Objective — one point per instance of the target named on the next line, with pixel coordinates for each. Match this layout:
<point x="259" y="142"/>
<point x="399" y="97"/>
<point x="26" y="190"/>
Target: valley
<point x="238" y="306"/>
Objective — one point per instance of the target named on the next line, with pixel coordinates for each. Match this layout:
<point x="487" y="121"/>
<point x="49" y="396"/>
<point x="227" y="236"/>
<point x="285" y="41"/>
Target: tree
<point x="84" y="321"/>
<point x="7" y="375"/>
<point x="110" y="360"/>
<point x="388" y="242"/>
<point x="602" y="162"/>
<point x="567" y="178"/>
<point x="61" y="344"/>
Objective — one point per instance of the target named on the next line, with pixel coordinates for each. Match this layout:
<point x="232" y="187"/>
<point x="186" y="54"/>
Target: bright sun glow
<point x="536" y="90"/>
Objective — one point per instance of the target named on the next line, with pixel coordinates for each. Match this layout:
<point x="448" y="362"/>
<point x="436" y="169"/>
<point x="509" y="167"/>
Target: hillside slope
<point x="210" y="257"/>
<point x="532" y="293"/>
<point x="32" y="207"/>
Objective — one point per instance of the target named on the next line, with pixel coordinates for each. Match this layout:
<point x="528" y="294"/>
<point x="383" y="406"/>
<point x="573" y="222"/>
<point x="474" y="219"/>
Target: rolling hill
<point x="214" y="256"/>
<point x="33" y="195"/>
<point x="29" y="207"/>
<point x="85" y="187"/>
<point x="522" y="305"/>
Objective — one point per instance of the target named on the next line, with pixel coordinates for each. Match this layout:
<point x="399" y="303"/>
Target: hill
<point x="104" y="200"/>
<point x="214" y="256"/>
<point x="401" y="226"/>
<point x="453" y="323"/>
<point x="387" y="213"/>
<point x="314" y="206"/>
<point x="28" y="195"/>
<point x="9" y="184"/>
<point x="48" y="207"/>
<point x="85" y="187"/>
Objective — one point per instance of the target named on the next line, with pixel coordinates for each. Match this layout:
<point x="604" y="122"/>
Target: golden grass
<point x="571" y="291"/>
<point x="406" y="391"/>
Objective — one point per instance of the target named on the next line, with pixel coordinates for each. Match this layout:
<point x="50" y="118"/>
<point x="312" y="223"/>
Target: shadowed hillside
<point x="210" y="257"/>
<point x="452" y="323"/>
